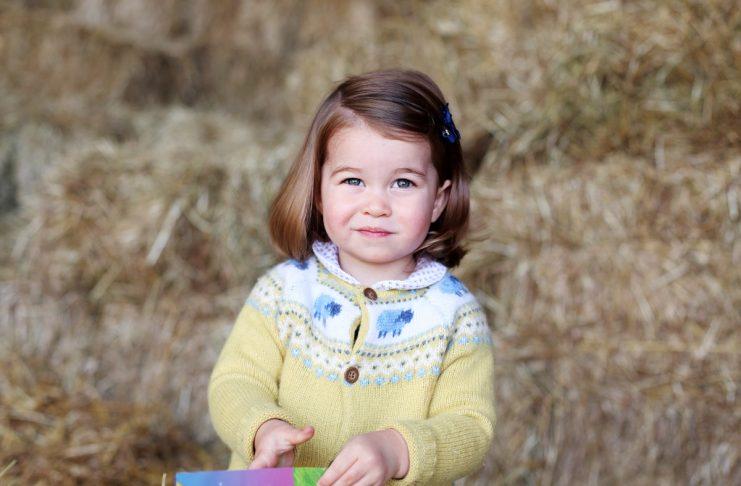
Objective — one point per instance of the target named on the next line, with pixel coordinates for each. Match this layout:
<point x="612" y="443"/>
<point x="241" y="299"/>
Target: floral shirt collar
<point x="426" y="273"/>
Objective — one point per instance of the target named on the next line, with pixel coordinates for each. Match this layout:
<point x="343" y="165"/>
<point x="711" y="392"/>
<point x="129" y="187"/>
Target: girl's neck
<point x="370" y="273"/>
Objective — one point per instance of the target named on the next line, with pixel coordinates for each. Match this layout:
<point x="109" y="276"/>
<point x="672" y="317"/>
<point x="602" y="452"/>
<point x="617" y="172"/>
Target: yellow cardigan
<point x="421" y="363"/>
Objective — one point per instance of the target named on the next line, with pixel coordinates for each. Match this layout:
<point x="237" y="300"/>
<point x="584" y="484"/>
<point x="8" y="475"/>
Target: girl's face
<point x="378" y="199"/>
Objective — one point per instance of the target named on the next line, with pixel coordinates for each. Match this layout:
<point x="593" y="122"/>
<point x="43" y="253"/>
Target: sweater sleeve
<point x="243" y="388"/>
<point x="454" y="440"/>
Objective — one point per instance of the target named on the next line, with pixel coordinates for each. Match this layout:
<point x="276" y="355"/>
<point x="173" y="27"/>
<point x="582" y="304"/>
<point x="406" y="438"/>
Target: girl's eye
<point x="353" y="181"/>
<point x="405" y="183"/>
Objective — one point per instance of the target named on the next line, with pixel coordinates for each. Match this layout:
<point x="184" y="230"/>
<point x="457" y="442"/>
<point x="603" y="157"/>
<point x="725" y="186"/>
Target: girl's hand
<point x="369" y="459"/>
<point x="275" y="443"/>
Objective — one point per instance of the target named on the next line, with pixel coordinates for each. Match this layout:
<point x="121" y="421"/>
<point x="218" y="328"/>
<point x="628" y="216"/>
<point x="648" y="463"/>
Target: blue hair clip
<point x="449" y="132"/>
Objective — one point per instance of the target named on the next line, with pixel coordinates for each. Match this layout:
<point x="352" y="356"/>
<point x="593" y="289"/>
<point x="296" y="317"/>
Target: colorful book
<point x="278" y="476"/>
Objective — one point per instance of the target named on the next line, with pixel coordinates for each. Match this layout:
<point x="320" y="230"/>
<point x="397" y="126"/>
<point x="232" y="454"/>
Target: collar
<point x="426" y="273"/>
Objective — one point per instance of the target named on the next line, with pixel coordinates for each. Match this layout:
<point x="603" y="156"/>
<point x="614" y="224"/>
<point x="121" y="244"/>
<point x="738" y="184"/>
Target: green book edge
<point x="307" y="476"/>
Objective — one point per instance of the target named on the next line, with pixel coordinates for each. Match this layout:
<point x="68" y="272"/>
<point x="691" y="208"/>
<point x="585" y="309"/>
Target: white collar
<point x="426" y="273"/>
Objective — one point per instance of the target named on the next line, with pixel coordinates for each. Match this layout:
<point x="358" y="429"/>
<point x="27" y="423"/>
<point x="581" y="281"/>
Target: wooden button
<point x="351" y="375"/>
<point x="370" y="293"/>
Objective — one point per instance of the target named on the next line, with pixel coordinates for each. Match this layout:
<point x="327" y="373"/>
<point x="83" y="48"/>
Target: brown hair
<point x="401" y="104"/>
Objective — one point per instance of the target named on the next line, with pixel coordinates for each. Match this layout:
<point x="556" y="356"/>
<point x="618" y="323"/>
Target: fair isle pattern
<point x="265" y="293"/>
<point x="409" y="332"/>
<point x="329" y="279"/>
<point x="426" y="273"/>
<point x="417" y="358"/>
<point x="471" y="326"/>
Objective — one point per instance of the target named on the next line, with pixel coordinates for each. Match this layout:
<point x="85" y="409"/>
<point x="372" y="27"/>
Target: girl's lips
<point x="374" y="233"/>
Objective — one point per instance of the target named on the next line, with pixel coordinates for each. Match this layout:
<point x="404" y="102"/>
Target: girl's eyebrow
<point x="421" y="173"/>
<point x="343" y="168"/>
<point x="401" y="169"/>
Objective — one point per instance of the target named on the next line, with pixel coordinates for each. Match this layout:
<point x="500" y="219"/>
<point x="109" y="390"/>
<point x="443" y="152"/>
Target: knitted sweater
<point x="421" y="362"/>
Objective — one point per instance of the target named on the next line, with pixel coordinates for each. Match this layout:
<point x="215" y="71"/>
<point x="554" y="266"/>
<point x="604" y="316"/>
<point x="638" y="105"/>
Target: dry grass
<point x="67" y="436"/>
<point x="178" y="213"/>
<point x="615" y="297"/>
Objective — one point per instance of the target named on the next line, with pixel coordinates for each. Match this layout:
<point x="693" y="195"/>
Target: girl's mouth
<point x="373" y="232"/>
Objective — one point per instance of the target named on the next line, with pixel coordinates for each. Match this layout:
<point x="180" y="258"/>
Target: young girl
<point x="363" y="353"/>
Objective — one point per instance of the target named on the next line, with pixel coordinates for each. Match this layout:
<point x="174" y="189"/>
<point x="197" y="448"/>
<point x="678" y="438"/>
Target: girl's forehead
<point x="364" y="146"/>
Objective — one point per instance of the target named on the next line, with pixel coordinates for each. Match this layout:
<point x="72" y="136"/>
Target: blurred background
<point x="141" y="144"/>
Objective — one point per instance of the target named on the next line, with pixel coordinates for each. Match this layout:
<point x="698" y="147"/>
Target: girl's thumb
<point x="302" y="435"/>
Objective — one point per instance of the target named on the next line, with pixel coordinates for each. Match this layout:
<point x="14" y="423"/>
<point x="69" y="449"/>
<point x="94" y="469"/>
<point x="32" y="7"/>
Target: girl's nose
<point x="376" y="205"/>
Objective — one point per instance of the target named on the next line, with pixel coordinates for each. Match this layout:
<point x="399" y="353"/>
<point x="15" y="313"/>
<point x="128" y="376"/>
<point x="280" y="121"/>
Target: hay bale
<point x="127" y="354"/>
<point x="33" y="43"/>
<point x="49" y="433"/>
<point x="687" y="197"/>
<point x="557" y="83"/>
<point x="147" y="331"/>
<point x="580" y="80"/>
<point x="229" y="54"/>
<point x="180" y="213"/>
<point x="615" y="299"/>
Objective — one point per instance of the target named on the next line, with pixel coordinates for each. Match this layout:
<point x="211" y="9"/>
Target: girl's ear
<point x="441" y="200"/>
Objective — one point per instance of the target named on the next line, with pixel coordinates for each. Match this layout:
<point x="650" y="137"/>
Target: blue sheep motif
<point x="325" y="307"/>
<point x="394" y="321"/>
<point x="452" y="285"/>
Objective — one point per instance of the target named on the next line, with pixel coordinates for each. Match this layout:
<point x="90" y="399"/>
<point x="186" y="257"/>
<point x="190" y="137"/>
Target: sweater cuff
<point x="422" y="451"/>
<point x="253" y="419"/>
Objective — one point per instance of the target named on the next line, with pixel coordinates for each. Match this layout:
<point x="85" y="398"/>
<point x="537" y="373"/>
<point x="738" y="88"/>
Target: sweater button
<point x="351" y="375"/>
<point x="370" y="293"/>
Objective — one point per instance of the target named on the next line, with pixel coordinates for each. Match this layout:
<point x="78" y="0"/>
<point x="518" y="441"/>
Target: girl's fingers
<point x="263" y="460"/>
<point x="285" y="460"/>
<point x="281" y="453"/>
<point x="339" y="467"/>
<point x="354" y="475"/>
<point x="256" y="463"/>
<point x="367" y="480"/>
